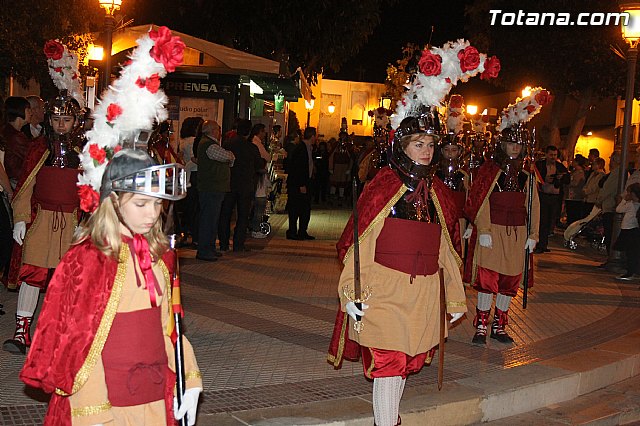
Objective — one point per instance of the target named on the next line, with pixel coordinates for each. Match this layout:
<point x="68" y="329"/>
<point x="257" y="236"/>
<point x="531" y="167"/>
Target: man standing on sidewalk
<point x="214" y="181"/>
<point x="243" y="186"/>
<point x="300" y="172"/>
<point x="554" y="175"/>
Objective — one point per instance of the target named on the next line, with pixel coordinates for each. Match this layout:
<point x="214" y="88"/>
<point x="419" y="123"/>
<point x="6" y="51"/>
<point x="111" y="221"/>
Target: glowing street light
<point x="472" y="109"/>
<point x="526" y="91"/>
<point x="110" y="7"/>
<point x="309" y="106"/>
<point x="331" y="108"/>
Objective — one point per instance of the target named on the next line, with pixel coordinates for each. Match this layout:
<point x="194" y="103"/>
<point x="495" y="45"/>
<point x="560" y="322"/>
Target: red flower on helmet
<point x="89" y="198"/>
<point x="167" y="50"/>
<point x="469" y="58"/>
<point x="530" y="108"/>
<point x="456" y="101"/>
<point x="97" y="153"/>
<point x="53" y="49"/>
<point x="543" y="97"/>
<point x="491" y="68"/>
<point x="151" y="83"/>
<point x="430" y="64"/>
<point x="58" y="69"/>
<point x="113" y="112"/>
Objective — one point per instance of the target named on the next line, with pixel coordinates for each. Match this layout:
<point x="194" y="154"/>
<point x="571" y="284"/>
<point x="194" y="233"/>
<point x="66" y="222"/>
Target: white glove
<point x="456" y="316"/>
<point x="485" y="241"/>
<point x="19" y="229"/>
<point x="353" y="310"/>
<point x="467" y="233"/>
<point x="189" y="405"/>
<point x="531" y="244"/>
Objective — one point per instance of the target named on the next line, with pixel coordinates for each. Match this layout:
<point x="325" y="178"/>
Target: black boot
<point x="481" y="322"/>
<point x="500" y="321"/>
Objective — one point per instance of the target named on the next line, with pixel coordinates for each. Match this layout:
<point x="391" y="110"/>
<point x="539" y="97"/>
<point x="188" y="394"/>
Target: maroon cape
<point x="71" y="315"/>
<point x="377" y="195"/>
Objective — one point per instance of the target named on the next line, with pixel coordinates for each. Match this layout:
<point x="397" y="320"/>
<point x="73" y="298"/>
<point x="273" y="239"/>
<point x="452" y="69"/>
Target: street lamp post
<point x="631" y="34"/>
<point x="110" y="7"/>
<point x="309" y="106"/>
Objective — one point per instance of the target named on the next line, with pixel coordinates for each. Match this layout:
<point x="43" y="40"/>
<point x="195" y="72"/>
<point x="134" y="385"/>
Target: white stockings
<point x="27" y="300"/>
<point x="387" y="392"/>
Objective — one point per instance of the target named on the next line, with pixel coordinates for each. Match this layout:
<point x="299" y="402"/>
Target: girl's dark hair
<point x="257" y="128"/>
<point x="190" y="126"/>
<point x="634" y="188"/>
<point x="14" y="107"/>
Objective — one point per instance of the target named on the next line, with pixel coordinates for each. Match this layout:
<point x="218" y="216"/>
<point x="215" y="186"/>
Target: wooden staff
<point x="443" y="326"/>
<point x="532" y="177"/>
<point x="357" y="291"/>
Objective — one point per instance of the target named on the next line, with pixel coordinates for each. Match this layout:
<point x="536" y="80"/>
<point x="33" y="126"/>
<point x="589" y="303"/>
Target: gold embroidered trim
<point x="457" y="304"/>
<point x="31" y="176"/>
<point x="372" y="366"/>
<point x="167" y="294"/>
<point x="91" y="410"/>
<point x="381" y="216"/>
<point x="61" y="392"/>
<point x="336" y="360"/>
<point x="193" y="375"/>
<point x="436" y="203"/>
<point x="105" y="323"/>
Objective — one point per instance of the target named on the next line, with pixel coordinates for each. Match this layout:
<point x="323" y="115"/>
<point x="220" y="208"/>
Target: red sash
<point x="135" y="358"/>
<point x="56" y="189"/>
<point x="507" y="208"/>
<point x="409" y="246"/>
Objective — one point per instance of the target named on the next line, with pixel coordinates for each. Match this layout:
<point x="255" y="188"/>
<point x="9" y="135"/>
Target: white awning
<point x="214" y="56"/>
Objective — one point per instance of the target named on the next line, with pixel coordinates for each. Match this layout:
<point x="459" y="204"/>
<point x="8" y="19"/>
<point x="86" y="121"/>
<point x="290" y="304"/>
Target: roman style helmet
<point x="114" y="159"/>
<point x="438" y="70"/>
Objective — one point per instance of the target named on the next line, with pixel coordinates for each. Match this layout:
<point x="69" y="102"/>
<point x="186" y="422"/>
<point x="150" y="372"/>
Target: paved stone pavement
<point x="260" y="323"/>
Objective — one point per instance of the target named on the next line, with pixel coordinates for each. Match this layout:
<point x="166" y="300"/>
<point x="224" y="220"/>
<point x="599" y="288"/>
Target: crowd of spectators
<point x="585" y="192"/>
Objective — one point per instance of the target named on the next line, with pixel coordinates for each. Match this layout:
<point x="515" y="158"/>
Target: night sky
<point x="404" y="22"/>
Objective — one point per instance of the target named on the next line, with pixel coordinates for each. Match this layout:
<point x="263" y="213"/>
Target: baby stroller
<point x="276" y="188"/>
<point x="265" y="226"/>
<point x="589" y="227"/>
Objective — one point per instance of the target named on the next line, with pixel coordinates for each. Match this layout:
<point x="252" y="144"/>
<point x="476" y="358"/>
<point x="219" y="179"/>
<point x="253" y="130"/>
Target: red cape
<point x="36" y="155"/>
<point x="64" y="343"/>
<point x="379" y="195"/>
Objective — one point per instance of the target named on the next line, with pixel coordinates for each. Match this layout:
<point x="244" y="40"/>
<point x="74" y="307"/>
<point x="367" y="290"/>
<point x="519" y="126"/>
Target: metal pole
<point x="109" y="24"/>
<point x="615" y="257"/>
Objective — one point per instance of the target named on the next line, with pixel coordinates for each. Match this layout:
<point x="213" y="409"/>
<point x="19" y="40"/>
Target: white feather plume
<point x="432" y="90"/>
<point x="65" y="75"/>
<point x="138" y="109"/>
<point x="523" y="109"/>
